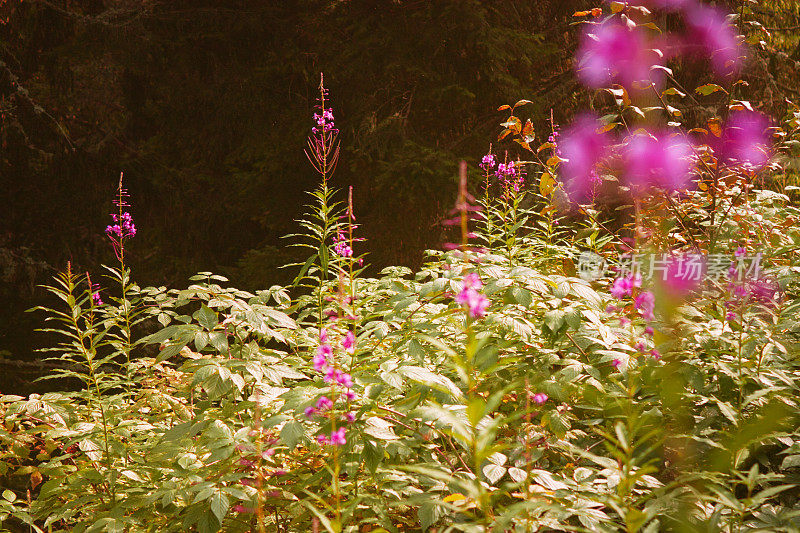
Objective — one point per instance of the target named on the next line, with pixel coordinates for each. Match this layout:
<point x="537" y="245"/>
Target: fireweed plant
<point x="499" y="387"/>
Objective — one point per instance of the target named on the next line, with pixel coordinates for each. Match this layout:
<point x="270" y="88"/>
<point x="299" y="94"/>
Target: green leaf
<point x="206" y="317"/>
<point x="709" y="88"/>
<point x="380" y="429"/>
<point x="430" y="379"/>
<point x="493" y="472"/>
<point x="291" y="433"/>
<point x="219" y="506"/>
<point x="429" y="513"/>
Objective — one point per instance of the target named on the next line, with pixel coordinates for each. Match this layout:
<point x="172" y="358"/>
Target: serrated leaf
<point x="291" y="433"/>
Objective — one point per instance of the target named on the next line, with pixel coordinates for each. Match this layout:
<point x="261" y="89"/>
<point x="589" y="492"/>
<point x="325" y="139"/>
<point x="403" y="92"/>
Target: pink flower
<point x="611" y="308"/>
<point x="337" y="437"/>
<point x="744" y="140"/>
<point x="624" y="286"/>
<point x="239" y="508"/>
<point x="655" y="354"/>
<point x="323" y="336"/>
<point x="345" y="380"/>
<point x="540" y="398"/>
<point x="324" y="403"/>
<point x="310" y="411"/>
<point x="621" y="288"/>
<point x="623" y="321"/>
<point x="350" y="395"/>
<point x="649" y="330"/>
<point x="657" y="161"/>
<point x="583" y="148"/>
<point x="730" y="316"/>
<point x="322" y="439"/>
<point x="349" y="342"/>
<point x="645" y="303"/>
<point x="350" y="417"/>
<point x="616" y="363"/>
<point x="472" y="281"/>
<point x="640" y="346"/>
<point x="321" y="357"/>
<point x="612" y="52"/>
<point x="711" y="36"/>
<point x="488" y="162"/>
<point x="469" y="296"/>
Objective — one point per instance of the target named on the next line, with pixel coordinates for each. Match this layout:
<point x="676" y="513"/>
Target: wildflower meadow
<point x="608" y="340"/>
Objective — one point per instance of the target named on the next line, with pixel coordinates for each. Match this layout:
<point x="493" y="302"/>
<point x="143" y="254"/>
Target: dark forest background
<point x="205" y="106"/>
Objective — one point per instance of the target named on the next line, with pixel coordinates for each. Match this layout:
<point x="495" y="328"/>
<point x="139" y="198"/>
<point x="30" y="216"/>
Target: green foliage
<point x="207" y="408"/>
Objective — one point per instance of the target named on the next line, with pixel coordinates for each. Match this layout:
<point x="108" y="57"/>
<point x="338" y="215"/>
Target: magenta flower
<point x="322" y="439"/>
<point x="472" y="281"/>
<point x="611" y="308"/>
<point x="324" y="122"/>
<point x="730" y="316"/>
<point x="657" y="161"/>
<point x="488" y="162"/>
<point x="540" y="398"/>
<point x="649" y="331"/>
<point x="337" y="437"/>
<point x="711" y="36"/>
<point x="350" y="416"/>
<point x="646" y="303"/>
<point x="623" y="321"/>
<point x="510" y="175"/>
<point x="616" y="363"/>
<point x="123" y="227"/>
<point x="239" y="508"/>
<point x="310" y="411"/>
<point x="744" y="140"/>
<point x="349" y="342"/>
<point x="613" y="53"/>
<point x="622" y="287"/>
<point x="583" y="148"/>
<point x="321" y="357"/>
<point x="96" y="299"/>
<point x="682" y="275"/>
<point x="324" y="403"/>
<point x="640" y="346"/>
<point x="469" y="296"/>
<point x="340" y="246"/>
<point x="655" y="354"/>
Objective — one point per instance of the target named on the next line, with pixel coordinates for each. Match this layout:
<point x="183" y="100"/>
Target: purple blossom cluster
<point x="488" y="162"/>
<point x="324" y="122"/>
<point x="340" y="245"/>
<point x="96" y="299"/>
<point x="324" y="362"/>
<point x="123" y="227"/>
<point x="510" y="175"/>
<point x="475" y="302"/>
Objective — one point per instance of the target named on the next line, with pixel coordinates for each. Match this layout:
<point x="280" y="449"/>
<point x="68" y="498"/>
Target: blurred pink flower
<point x="583" y="148"/>
<point x="338" y="437"/>
<point x="349" y="342"/>
<point x="711" y="36"/>
<point x="745" y="140"/>
<point x="662" y="161"/>
<point x="613" y="53"/>
<point x="645" y="303"/>
<point x="540" y="398"/>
